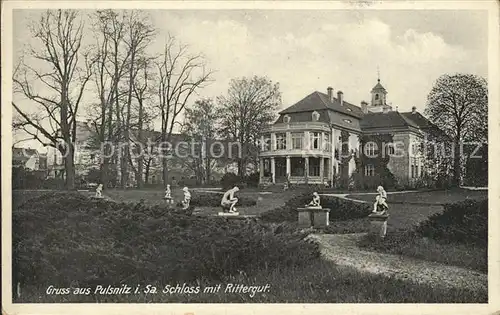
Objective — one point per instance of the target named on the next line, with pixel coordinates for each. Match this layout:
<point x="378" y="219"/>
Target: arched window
<point x="376" y="96"/>
<point x="315" y="116"/>
<point x="286" y="118"/>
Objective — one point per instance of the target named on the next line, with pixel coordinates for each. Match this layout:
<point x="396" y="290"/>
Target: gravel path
<point x="342" y="250"/>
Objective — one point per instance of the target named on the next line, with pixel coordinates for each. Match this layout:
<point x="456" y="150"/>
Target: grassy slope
<point x="318" y="283"/>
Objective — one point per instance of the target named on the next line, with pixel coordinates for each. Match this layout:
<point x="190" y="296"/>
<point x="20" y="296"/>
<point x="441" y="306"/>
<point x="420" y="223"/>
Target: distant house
<point x="88" y="156"/>
<point x="27" y="158"/>
<point x="313" y="140"/>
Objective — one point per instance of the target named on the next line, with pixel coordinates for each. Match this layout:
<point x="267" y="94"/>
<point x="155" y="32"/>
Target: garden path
<point x="342" y="249"/>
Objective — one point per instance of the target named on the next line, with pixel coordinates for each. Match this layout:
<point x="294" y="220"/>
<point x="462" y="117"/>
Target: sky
<point x="309" y="50"/>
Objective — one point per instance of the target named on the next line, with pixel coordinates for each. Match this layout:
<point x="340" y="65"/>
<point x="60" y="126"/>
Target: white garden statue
<point x="229" y="201"/>
<point x="168" y="195"/>
<point x="98" y="191"/>
<point x="315" y="202"/>
<point x="380" y="206"/>
<point x="187" y="198"/>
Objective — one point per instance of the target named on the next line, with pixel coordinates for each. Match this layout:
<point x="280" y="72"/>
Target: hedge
<point x="340" y="209"/>
<point x="214" y="199"/>
<point x="64" y="239"/>
<point x="464" y="222"/>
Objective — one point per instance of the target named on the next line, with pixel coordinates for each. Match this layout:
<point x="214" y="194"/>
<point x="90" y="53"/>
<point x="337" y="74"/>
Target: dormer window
<point x="315" y="116"/>
<point x="349" y="110"/>
<point x="287" y="118"/>
<point x="348" y="121"/>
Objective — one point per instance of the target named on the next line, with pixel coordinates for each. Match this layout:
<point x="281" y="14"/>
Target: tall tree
<point x="249" y="106"/>
<point x="139" y="35"/>
<point x="200" y="126"/>
<point x="54" y="82"/>
<point x="458" y="104"/>
<point x="180" y="75"/>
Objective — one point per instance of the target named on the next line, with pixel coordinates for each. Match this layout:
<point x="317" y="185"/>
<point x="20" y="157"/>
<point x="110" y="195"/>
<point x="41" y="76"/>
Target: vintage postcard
<point x="220" y="157"/>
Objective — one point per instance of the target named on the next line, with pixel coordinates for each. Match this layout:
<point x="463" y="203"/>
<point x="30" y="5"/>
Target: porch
<point x="299" y="170"/>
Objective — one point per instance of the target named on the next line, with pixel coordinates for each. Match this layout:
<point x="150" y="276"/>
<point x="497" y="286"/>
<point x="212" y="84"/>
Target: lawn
<point x="426" y="197"/>
<point x="266" y="200"/>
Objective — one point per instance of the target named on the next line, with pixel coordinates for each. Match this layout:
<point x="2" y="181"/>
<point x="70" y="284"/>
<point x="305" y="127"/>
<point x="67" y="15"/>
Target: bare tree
<point x="458" y="104"/>
<point x="139" y="36"/>
<point x="180" y="75"/>
<point x="249" y="105"/>
<point x="62" y="76"/>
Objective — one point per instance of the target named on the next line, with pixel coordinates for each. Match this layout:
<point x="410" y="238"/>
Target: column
<point x="322" y="169"/>
<point x="288" y="166"/>
<point x="262" y="143"/>
<point x="306" y="141"/>
<point x="273" y="170"/>
<point x="306" y="169"/>
<point x="261" y="170"/>
<point x="322" y="145"/>
<point x="273" y="141"/>
<point x="288" y="140"/>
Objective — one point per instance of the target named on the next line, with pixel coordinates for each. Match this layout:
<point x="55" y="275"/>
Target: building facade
<point x="322" y="137"/>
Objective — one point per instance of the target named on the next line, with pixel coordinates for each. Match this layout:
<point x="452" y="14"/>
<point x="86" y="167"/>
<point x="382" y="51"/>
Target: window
<point x="266" y="146"/>
<point x="314" y="166"/>
<point x="349" y="110"/>
<point x="414" y="168"/>
<point x="297" y="138"/>
<point x="281" y="141"/>
<point x="369" y="170"/>
<point x="371" y="149"/>
<point x="315" y="116"/>
<point x="348" y="121"/>
<point x="376" y="96"/>
<point x="286" y="118"/>
<point x="315" y="143"/>
<point x="327" y="145"/>
<point x="389" y="149"/>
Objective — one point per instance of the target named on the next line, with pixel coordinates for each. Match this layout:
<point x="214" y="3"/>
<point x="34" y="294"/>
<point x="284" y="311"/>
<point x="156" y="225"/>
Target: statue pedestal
<point x="228" y="214"/>
<point x="313" y="216"/>
<point x="378" y="225"/>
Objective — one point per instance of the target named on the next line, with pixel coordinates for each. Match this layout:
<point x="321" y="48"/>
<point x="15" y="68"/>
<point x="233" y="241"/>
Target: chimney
<point x="340" y="97"/>
<point x="414" y="110"/>
<point x="364" y="107"/>
<point x="330" y="93"/>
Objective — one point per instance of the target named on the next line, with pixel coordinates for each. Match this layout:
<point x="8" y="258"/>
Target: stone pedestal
<point x="313" y="217"/>
<point x="305" y="217"/>
<point x="378" y="225"/>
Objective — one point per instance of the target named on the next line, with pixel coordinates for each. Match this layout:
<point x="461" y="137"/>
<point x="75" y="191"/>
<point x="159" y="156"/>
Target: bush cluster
<point x="213" y="200"/>
<point x="463" y="222"/>
<point x="68" y="239"/>
<point x="229" y="180"/>
<point x="340" y="209"/>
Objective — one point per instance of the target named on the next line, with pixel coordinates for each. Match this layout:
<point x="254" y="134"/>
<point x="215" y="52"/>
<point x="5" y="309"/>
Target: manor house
<point x="309" y="141"/>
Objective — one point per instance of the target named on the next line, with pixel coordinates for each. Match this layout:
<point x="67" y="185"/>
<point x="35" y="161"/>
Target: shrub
<point x="340" y="209"/>
<point x="68" y="239"/>
<point x="230" y="180"/>
<point x="213" y="200"/>
<point x="252" y="180"/>
<point x="463" y="222"/>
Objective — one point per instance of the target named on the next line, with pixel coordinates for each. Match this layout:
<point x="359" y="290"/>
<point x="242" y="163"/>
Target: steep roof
<point x="320" y="101"/>
<point x="378" y="87"/>
<point x="389" y="119"/>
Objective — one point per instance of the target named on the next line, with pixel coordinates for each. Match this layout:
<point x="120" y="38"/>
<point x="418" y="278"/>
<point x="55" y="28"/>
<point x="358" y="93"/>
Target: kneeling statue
<point x="315" y="202"/>
<point x="229" y="200"/>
